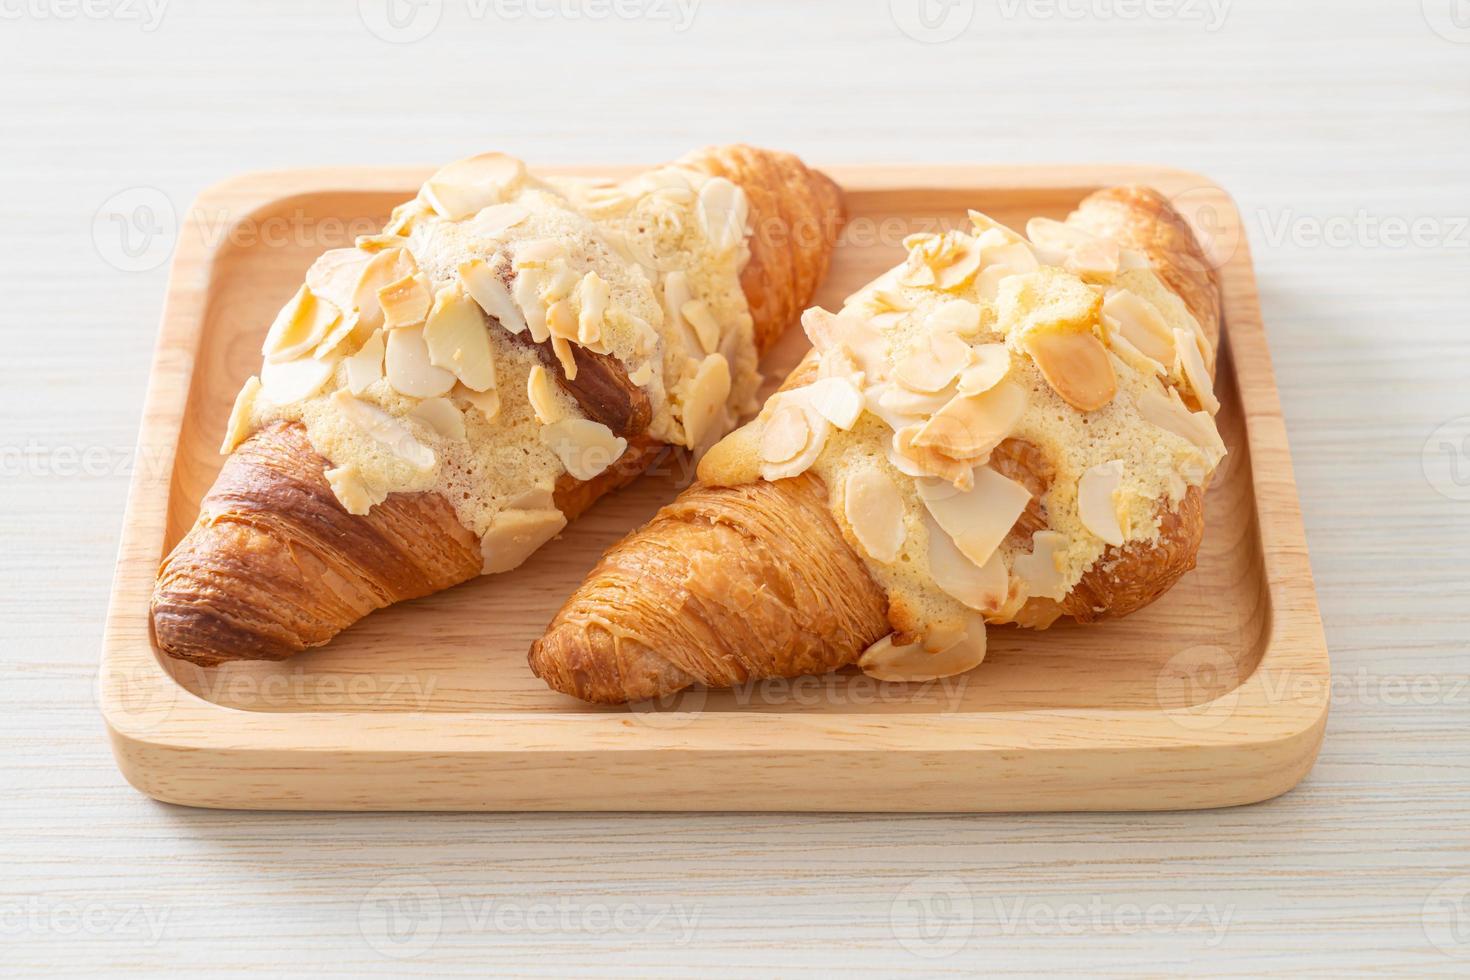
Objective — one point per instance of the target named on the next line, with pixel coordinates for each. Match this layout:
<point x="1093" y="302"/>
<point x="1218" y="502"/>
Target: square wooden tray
<point x="1215" y="695"/>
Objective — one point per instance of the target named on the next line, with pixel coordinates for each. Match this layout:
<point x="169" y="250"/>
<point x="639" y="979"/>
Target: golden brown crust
<point x="796" y="214"/>
<point x="275" y="564"/>
<point x="681" y="600"/>
<point x="671" y="604"/>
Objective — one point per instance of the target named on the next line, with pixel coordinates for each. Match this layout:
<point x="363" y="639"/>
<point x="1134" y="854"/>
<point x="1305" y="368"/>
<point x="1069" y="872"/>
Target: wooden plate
<point x="1215" y="695"/>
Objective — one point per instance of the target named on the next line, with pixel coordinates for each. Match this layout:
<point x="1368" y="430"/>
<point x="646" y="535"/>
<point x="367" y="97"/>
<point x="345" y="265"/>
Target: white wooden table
<point x="1342" y="128"/>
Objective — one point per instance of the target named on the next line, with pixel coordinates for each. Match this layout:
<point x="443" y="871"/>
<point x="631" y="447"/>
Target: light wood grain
<point x="1306" y="111"/>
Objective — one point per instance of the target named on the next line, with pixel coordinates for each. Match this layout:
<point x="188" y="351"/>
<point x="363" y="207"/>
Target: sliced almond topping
<point x="496" y="220"/>
<point x="706" y="328"/>
<point x="978" y="520"/>
<point x="958" y="473"/>
<point x="1169" y="413"/>
<point x="405" y="302"/>
<point x="1087" y="255"/>
<point x="526" y="290"/>
<point x="486" y="402"/>
<point x="984" y="223"/>
<point x="874" y="510"/>
<point x="858" y="337"/>
<point x="286" y="382"/>
<point x="386" y="267"/>
<point x="988" y="364"/>
<point x="335" y="274"/>
<point x="786" y="434"/>
<point x="592" y="296"/>
<point x="352" y="492"/>
<point x="585" y="447"/>
<point x="1097" y="500"/>
<point x="980" y="587"/>
<point x="1139" y="322"/>
<point x="378" y="242"/>
<point x="956" y="316"/>
<point x="1075" y="364"/>
<point x="465" y="186"/>
<point x="970" y="426"/>
<point x="675" y="293"/>
<point x="642" y="374"/>
<point x="515" y="535"/>
<point x="486" y="289"/>
<point x="408" y="368"/>
<point x="837" y="399"/>
<point x="704" y="400"/>
<point x="457" y="339"/>
<point x="384" y="429"/>
<point x="901" y="462"/>
<point x="723" y="212"/>
<point x="299" y="327"/>
<point x="562" y="348"/>
<point x="333" y="344"/>
<point x="934" y="365"/>
<point x="1195" y="371"/>
<point x="900" y="407"/>
<point x="561" y="321"/>
<point x="962" y="263"/>
<point x="441" y="416"/>
<point x="1040" y="571"/>
<point x="366" y="366"/>
<point x="945" y="261"/>
<point x="541" y="391"/>
<point x="914" y="663"/>
<point x="240" y="425"/>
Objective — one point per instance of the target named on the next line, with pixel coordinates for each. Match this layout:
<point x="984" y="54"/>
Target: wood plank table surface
<point x="1342" y="129"/>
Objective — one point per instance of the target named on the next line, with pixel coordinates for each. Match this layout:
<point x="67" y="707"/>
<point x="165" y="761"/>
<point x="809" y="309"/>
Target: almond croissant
<point x="997" y="431"/>
<point x="440" y="400"/>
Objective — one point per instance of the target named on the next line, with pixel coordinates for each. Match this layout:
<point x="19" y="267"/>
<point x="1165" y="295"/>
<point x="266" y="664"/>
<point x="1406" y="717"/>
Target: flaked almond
<point x="592" y="296"/>
<point x="335" y="274"/>
<point x="858" y="337"/>
<point x="980" y="587"/>
<point x="918" y="662"/>
<point x="405" y="302"/>
<point x="899" y="406"/>
<point x="366" y="366"/>
<point x="970" y="426"/>
<point x="287" y="382"/>
<point x="786" y="434"/>
<point x="486" y="289"/>
<point x="541" y="392"/>
<point x="956" y="316"/>
<point x="464" y="187"/>
<point x="386" y="267"/>
<point x="988" y="365"/>
<point x="515" y="535"/>
<point x="706" y="328"/>
<point x="837" y="399"/>
<point x="407" y="366"/>
<point x="1087" y="256"/>
<point x="561" y="321"/>
<point x="352" y="491"/>
<point x="1138" y="321"/>
<point x="336" y="342"/>
<point x="874" y="511"/>
<point x="958" y="473"/>
<point x="241" y="423"/>
<point x="642" y="374"/>
<point x="561" y="349"/>
<point x="1040" y="572"/>
<point x="487" y="403"/>
<point x="704" y="399"/>
<point x="933" y="365"/>
<point x="585" y="447"/>
<point x="978" y="520"/>
<point x="1195" y="372"/>
<point x="674" y="293"/>
<point x="380" y="241"/>
<point x="384" y="429"/>
<point x="999" y="263"/>
<point x="300" y="326"/>
<point x="526" y="291"/>
<point x="457" y="339"/>
<point x="1169" y="413"/>
<point x="497" y="219"/>
<point x="723" y="212"/>
<point x="817" y="430"/>
<point x="441" y="416"/>
<point x="1097" y="500"/>
<point x="1075" y="364"/>
<point x="983" y="223"/>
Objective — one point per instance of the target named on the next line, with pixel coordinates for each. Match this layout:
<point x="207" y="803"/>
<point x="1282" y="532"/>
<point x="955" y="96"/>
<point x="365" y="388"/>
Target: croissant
<point x="998" y="431"/>
<point x="442" y="399"/>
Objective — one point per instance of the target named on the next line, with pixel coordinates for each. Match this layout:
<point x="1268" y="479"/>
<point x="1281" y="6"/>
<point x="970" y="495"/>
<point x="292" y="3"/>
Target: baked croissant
<point x="996" y="431"/>
<point x="440" y="400"/>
